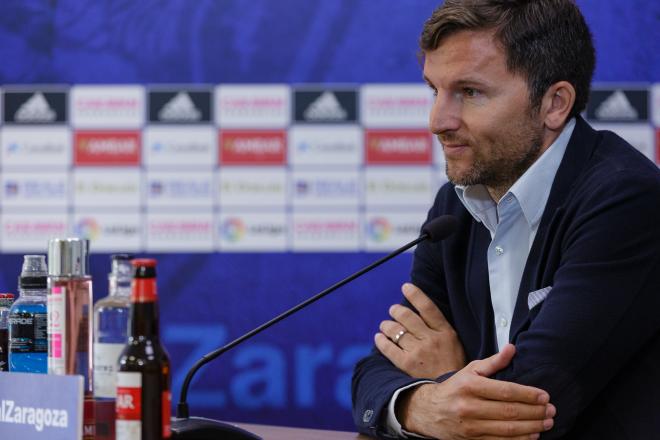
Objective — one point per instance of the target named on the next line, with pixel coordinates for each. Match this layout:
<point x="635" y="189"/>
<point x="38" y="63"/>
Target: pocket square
<point x="536" y="297"/>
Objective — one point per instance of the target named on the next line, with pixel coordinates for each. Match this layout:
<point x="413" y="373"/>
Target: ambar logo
<point x="398" y="147"/>
<point x="252" y="147"/>
<point x="107" y="148"/>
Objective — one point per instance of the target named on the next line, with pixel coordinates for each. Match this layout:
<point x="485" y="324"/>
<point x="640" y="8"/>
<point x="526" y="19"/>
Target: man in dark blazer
<point x="579" y="293"/>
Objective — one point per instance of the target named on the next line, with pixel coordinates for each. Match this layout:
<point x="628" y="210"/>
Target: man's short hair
<point x="545" y="41"/>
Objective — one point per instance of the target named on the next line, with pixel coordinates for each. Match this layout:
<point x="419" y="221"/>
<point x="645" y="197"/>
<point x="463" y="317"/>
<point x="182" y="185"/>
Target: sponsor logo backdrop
<point x="258" y="167"/>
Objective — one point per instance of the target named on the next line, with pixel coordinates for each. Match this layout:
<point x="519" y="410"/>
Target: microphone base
<point x="199" y="428"/>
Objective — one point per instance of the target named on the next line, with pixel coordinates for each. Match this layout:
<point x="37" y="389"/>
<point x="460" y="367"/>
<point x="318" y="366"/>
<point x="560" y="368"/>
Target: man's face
<point x="481" y="112"/>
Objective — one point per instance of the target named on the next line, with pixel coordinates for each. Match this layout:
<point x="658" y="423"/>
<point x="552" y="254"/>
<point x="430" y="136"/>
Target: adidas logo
<point x="180" y="108"/>
<point x="325" y="107"/>
<point x="35" y="109"/>
<point x="616" y="106"/>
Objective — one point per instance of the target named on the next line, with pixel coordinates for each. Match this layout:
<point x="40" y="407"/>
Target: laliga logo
<point x="379" y="229"/>
<point x="87" y="228"/>
<point x="233" y="229"/>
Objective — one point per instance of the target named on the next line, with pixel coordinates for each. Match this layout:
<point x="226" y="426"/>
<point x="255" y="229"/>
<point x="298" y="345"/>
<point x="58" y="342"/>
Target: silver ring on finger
<point x="398" y="336"/>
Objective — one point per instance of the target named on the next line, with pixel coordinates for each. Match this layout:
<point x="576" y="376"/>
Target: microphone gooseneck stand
<point x="185" y="427"/>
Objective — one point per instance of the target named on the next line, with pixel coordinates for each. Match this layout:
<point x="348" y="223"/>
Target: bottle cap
<point x="68" y="257"/>
<point x="144" y="268"/>
<point x="144" y="281"/>
<point x="34" y="274"/>
<point x="6" y="299"/>
<point x="121" y="267"/>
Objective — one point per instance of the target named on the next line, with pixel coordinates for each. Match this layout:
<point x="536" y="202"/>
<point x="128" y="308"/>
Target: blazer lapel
<point x="580" y="147"/>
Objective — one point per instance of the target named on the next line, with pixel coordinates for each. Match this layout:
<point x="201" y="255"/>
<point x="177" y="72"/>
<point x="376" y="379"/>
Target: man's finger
<point x="427" y="309"/>
<point x="500" y="390"/>
<point x="498" y="410"/>
<point x="391" y="329"/>
<point x="511" y="428"/>
<point x="410" y="320"/>
<point x="389" y="349"/>
<point x="491" y="365"/>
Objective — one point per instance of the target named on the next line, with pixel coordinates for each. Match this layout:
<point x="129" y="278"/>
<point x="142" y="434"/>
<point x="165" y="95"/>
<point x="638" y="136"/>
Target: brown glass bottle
<point x="143" y="380"/>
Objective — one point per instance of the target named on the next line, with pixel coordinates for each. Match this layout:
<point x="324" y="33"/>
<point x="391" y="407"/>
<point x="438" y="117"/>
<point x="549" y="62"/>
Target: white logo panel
<point x="192" y="232"/>
<point x="250" y="106"/>
<point x="109" y="232"/>
<point x="107" y="187"/>
<point x="386" y="231"/>
<point x="326" y="188"/>
<point x="24" y="233"/>
<point x="655" y="104"/>
<point x="107" y="106"/>
<point x="176" y="146"/>
<point x="42" y="147"/>
<point x="319" y="232"/>
<point x="640" y="136"/>
<point x="396" y="105"/>
<point x="251" y="187"/>
<point x="399" y="186"/>
<point x="324" y="145"/>
<point x="179" y="189"/>
<point x="263" y="232"/>
<point x="30" y="189"/>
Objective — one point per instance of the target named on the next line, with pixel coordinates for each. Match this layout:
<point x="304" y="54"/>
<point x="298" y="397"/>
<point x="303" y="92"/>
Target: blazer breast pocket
<point x="537" y="297"/>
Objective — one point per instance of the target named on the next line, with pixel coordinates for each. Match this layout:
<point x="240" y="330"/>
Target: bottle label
<point x="166" y="401"/>
<point x="28" y="332"/>
<point x="106" y="363"/>
<point x="56" y="330"/>
<point x="129" y="406"/>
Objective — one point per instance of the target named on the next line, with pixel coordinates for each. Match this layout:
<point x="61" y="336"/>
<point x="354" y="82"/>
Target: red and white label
<point x="129" y="406"/>
<point x="394" y="147"/>
<point x="264" y="147"/>
<point x="107" y="148"/>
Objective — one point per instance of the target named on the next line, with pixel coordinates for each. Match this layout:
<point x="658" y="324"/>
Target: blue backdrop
<point x="298" y="373"/>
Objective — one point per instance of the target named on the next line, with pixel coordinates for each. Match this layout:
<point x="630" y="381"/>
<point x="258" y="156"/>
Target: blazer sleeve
<point x="602" y="309"/>
<point x="375" y="378"/>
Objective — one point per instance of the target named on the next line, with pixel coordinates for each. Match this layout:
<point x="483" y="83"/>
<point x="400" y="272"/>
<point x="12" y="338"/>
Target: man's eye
<point x="470" y="92"/>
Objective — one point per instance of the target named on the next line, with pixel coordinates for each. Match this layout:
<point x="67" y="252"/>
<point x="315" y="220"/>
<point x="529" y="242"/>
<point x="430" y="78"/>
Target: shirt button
<point x="499" y="250"/>
<point x="503" y="322"/>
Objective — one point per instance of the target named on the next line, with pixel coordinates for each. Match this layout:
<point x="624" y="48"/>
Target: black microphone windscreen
<point x="440" y="228"/>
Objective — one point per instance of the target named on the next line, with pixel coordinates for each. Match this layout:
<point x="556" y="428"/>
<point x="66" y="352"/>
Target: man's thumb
<point x="491" y="365"/>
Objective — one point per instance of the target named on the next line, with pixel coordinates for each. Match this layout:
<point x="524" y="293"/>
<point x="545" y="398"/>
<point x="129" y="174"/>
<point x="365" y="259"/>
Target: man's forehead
<point x="463" y="53"/>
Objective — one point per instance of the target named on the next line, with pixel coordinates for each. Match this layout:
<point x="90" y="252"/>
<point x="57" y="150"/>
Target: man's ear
<point x="557" y="104"/>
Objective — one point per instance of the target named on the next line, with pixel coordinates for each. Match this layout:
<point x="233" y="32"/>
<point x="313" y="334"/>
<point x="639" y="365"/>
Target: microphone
<point x="185" y="427"/>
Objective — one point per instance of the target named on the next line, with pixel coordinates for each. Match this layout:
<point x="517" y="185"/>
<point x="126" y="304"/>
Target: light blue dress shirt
<point x="513" y="223"/>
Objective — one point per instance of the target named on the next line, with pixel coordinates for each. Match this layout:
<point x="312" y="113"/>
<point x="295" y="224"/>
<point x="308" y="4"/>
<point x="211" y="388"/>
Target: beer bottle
<point x="143" y="379"/>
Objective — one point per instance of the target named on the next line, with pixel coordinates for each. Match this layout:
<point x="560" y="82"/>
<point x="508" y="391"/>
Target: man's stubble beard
<point x="507" y="161"/>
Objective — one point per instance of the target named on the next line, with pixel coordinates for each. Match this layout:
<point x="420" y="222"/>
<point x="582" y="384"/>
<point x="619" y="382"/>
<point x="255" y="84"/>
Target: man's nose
<point x="445" y="114"/>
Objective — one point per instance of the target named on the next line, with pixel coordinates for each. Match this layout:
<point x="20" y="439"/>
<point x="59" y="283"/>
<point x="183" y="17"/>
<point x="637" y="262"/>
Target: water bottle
<point x="111" y="326"/>
<point x="28" y="339"/>
<point x="6" y="300"/>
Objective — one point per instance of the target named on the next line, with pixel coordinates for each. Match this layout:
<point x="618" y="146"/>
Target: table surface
<point x="269" y="432"/>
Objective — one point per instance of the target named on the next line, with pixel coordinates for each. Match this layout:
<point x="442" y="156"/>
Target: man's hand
<point x="429" y="346"/>
<point x="469" y="405"/>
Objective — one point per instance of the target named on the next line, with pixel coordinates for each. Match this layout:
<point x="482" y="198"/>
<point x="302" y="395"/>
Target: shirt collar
<point x="531" y="190"/>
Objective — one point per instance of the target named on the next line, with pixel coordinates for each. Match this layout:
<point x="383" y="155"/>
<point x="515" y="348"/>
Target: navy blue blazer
<point x="594" y="343"/>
